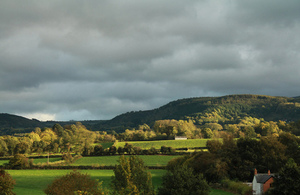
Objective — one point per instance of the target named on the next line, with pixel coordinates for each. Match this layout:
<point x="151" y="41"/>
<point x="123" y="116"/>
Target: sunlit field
<point x="150" y="160"/>
<point x="33" y="182"/>
<point x="189" y="143"/>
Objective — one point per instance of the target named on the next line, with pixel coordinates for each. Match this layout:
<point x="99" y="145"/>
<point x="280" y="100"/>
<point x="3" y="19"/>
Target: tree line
<point x="77" y="138"/>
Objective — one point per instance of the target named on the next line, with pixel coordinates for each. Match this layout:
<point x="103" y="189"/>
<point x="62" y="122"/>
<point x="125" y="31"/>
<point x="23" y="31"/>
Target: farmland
<point x="33" y="182"/>
<point x="189" y="143"/>
<point x="150" y="160"/>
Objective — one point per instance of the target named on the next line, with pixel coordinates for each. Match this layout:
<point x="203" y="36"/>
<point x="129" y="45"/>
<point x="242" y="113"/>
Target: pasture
<point x="189" y="143"/>
<point x="33" y="182"/>
<point x="2" y="162"/>
<point x="150" y="160"/>
<point x="44" y="160"/>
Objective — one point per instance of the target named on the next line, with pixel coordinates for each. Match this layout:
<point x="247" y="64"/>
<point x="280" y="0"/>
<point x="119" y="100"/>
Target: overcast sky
<point x="86" y="60"/>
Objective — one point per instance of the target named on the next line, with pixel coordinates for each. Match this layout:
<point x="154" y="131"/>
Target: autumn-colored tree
<point x="18" y="161"/>
<point x="6" y="183"/>
<point x="74" y="182"/>
<point x="67" y="157"/>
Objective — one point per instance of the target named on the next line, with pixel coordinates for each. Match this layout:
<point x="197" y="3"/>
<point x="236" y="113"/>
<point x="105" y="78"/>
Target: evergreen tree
<point x="131" y="177"/>
<point x="183" y="181"/>
<point x="287" y="182"/>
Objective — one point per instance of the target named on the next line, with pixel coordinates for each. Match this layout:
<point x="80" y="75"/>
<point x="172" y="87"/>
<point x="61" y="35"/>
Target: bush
<point x="183" y="181"/>
<point x="236" y="187"/>
<point x="67" y="158"/>
<point x="131" y="177"/>
<point x="6" y="183"/>
<point x="74" y="182"/>
<point x="19" y="161"/>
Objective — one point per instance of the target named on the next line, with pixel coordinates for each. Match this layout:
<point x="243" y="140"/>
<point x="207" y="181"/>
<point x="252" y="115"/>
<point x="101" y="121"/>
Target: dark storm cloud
<point x="96" y="59"/>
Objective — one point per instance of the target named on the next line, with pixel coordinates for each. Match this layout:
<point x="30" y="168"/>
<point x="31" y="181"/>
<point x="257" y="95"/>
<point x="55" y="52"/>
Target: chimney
<point x="255" y="172"/>
<point x="269" y="172"/>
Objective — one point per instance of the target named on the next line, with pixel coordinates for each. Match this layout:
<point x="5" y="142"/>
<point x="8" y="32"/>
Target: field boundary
<point x="80" y="167"/>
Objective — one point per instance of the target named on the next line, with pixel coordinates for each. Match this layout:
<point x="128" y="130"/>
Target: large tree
<point x="74" y="182"/>
<point x="131" y="177"/>
<point x="287" y="182"/>
<point x="183" y="181"/>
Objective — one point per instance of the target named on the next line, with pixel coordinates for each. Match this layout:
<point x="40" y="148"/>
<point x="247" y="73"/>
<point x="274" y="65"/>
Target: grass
<point x="2" y="162"/>
<point x="105" y="144"/>
<point x="150" y="160"/>
<point x="44" y="160"/>
<point x="35" y="161"/>
<point x="219" y="192"/>
<point x="33" y="182"/>
<point x="190" y="143"/>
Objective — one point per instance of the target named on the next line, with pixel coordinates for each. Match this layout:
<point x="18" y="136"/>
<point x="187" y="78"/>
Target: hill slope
<point x="223" y="110"/>
<point x="226" y="109"/>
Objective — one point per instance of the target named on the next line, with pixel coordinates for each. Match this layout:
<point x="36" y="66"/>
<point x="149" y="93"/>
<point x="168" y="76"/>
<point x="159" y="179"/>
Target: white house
<point x="261" y="182"/>
<point x="180" y="137"/>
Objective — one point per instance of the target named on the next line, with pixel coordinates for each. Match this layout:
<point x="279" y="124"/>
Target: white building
<point x="261" y="182"/>
<point x="180" y="138"/>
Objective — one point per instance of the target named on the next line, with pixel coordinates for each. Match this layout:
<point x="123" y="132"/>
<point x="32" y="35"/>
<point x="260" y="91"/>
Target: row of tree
<point x="246" y="127"/>
<point x="130" y="178"/>
<point x="70" y="138"/>
<point x="236" y="159"/>
<point x="76" y="138"/>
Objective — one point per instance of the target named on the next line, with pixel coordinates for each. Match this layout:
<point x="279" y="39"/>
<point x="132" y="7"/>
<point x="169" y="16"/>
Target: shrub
<point x="6" y="183"/>
<point x="74" y="182"/>
<point x="67" y="158"/>
<point x="183" y="181"/>
<point x="237" y="187"/>
<point x="131" y="177"/>
<point x="19" y="161"/>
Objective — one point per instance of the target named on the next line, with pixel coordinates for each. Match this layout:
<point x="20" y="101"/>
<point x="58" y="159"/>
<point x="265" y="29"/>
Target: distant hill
<point x="226" y="109"/>
<point x="14" y="121"/>
<point x="11" y="124"/>
<point x="222" y="110"/>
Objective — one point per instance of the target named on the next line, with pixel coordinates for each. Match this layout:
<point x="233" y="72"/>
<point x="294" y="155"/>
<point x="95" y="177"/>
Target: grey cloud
<point x="97" y="59"/>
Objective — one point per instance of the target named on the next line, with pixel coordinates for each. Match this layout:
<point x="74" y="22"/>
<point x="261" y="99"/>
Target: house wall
<point x="180" y="138"/>
<point x="256" y="187"/>
<point x="267" y="185"/>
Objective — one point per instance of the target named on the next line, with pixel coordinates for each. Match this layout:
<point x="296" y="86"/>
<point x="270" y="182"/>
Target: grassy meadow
<point x="150" y="160"/>
<point x="44" y="160"/>
<point x="33" y="182"/>
<point x="189" y="143"/>
<point x="2" y="162"/>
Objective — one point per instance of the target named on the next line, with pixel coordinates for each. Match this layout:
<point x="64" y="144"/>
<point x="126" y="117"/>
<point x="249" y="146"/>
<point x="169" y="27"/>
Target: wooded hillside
<point x="222" y="110"/>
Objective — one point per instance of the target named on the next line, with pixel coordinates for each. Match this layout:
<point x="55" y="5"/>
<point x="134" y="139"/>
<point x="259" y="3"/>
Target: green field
<point x="2" y="162"/>
<point x="35" y="161"/>
<point x="219" y="192"/>
<point x="44" y="160"/>
<point x="150" y="160"/>
<point x="106" y="144"/>
<point x="190" y="143"/>
<point x="32" y="182"/>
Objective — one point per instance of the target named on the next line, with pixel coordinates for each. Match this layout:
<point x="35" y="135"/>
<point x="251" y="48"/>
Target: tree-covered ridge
<point x="223" y="110"/>
<point x="226" y="110"/>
